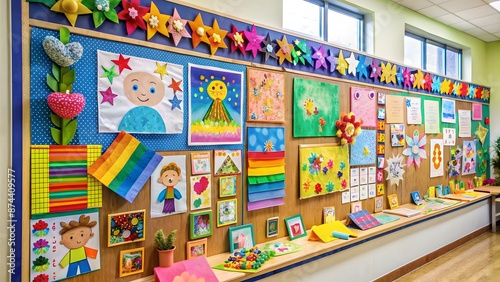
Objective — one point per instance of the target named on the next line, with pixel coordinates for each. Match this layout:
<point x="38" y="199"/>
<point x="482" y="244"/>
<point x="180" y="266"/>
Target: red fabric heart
<point x="66" y="106"/>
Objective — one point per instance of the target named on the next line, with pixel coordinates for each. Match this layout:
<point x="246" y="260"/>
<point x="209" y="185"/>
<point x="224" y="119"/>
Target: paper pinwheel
<point x="416" y="149"/>
<point x="102" y="10"/>
<point x="406" y="78"/>
<point x="216" y="38"/>
<point x="71" y="9"/>
<point x="156" y="22"/>
<point x="436" y="84"/>
<point x="376" y="69"/>
<point x="285" y="51"/>
<point x="268" y="48"/>
<point x="132" y="14"/>
<point x="254" y="41"/>
<point x="331" y="60"/>
<point x="177" y="27"/>
<point x="238" y="40"/>
<point x="444" y="87"/>
<point x="428" y="82"/>
<point x="395" y="169"/>
<point x="388" y="73"/>
<point x="361" y="69"/>
<point x="348" y="128"/>
<point x="319" y="55"/>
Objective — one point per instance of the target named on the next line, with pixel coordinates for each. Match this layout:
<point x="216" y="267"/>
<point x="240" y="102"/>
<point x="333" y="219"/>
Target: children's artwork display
<point x="324" y="169"/>
<point x="379" y="203"/>
<point x="364" y="105"/>
<point x="200" y="224"/>
<point x="469" y="158"/>
<point x="295" y="227"/>
<point x="449" y="136"/>
<point x="413" y="110"/>
<point x="227" y="212"/>
<point x="139" y="95"/>
<point x="315" y="108"/>
<point x="241" y="237"/>
<point x="272" y="227"/>
<point x="168" y="187"/>
<point x="395" y="169"/>
<point x="197" y="248"/>
<point x="201" y="191"/>
<point x="454" y="164"/>
<point x="200" y="163"/>
<point x="397" y="135"/>
<point x="59" y="179"/>
<point x="416" y="149"/>
<point x="265" y="96"/>
<point x="215" y="106"/>
<point x="124" y="228"/>
<point x="227" y="162"/>
<point x="227" y="186"/>
<point x="54" y="255"/>
<point x="131" y="262"/>
<point x="448" y="113"/>
<point x="437" y="158"/>
<point x="364" y="151"/>
<point x="328" y="214"/>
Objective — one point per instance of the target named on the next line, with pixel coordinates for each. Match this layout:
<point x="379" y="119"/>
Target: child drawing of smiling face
<point x="143" y="89"/>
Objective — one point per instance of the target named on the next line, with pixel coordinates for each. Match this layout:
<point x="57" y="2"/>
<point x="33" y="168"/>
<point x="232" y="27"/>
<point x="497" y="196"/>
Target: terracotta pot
<point x="166" y="257"/>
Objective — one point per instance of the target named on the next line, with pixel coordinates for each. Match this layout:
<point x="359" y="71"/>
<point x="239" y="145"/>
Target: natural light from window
<point x="303" y="17"/>
<point x="343" y="29"/>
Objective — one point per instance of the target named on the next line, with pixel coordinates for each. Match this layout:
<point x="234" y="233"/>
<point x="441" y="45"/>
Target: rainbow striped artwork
<point x="125" y="166"/>
<point x="59" y="179"/>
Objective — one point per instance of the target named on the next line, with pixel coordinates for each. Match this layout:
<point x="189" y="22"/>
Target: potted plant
<point x="165" y="247"/>
<point x="495" y="162"/>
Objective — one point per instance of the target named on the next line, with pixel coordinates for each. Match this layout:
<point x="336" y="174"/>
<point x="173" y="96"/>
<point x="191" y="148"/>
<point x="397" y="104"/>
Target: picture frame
<point x="227" y="212"/>
<point x="328" y="214"/>
<point x="228" y="186"/>
<point x="356" y="206"/>
<point x="196" y="248"/>
<point x="379" y="203"/>
<point x="227" y="162"/>
<point x="200" y="224"/>
<point x="272" y="227"/>
<point x="241" y="237"/>
<point x="131" y="261"/>
<point x="295" y="226"/>
<point x="126" y="227"/>
<point x="201" y="162"/>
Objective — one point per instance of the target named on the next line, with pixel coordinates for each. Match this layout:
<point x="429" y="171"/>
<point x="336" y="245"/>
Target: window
<point x="326" y="21"/>
<point x="433" y="56"/>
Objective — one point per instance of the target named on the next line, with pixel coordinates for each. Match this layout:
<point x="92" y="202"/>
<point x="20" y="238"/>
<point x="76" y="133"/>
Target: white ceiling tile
<point x="486" y="20"/>
<point x="463" y="25"/>
<point x="494" y="28"/>
<point x="475" y="31"/>
<point x="416" y="5"/>
<point x="448" y="19"/>
<point x="460" y="5"/>
<point x="439" y="1"/>
<point x="488" y="37"/>
<point x="477" y="12"/>
<point x="433" y="11"/>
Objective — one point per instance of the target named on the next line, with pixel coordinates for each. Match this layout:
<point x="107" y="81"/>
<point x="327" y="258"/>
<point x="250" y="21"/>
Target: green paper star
<point x="109" y="73"/>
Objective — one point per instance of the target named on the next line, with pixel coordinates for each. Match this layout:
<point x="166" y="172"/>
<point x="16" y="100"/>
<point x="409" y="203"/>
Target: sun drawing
<point x="217" y="111"/>
<point x="268" y="146"/>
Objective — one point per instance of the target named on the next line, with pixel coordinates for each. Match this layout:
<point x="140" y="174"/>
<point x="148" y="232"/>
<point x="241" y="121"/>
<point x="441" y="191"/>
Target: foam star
<point x="108" y="96"/>
<point x="175" y="85"/>
<point x="331" y="59"/>
<point x="132" y="14"/>
<point x="376" y="70"/>
<point x="436" y="84"/>
<point x="238" y="40"/>
<point x="177" y="27"/>
<point x="428" y="82"/>
<point x="161" y="70"/>
<point x="109" y="73"/>
<point x="285" y="51"/>
<point x="481" y="133"/>
<point x="254" y="41"/>
<point x="216" y="37"/>
<point x="102" y="10"/>
<point x="353" y="64"/>
<point x="341" y="63"/>
<point x="407" y="78"/>
<point x="199" y="31"/>
<point x="472" y="89"/>
<point x="268" y="48"/>
<point x="71" y="9"/>
<point x="399" y="76"/>
<point x="122" y="63"/>
<point x="464" y="90"/>
<point x="388" y="73"/>
<point x="176" y="103"/>
<point x="444" y="87"/>
<point x="319" y="55"/>
<point x="156" y="22"/>
<point x="419" y="80"/>
<point x="361" y="68"/>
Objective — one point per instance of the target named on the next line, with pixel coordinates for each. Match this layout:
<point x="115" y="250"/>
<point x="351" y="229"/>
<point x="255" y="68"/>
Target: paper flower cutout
<point x="416" y="149"/>
<point x="361" y="69"/>
<point x="342" y="165"/>
<point x="464" y="90"/>
<point x="318" y="188"/>
<point x="199" y="31"/>
<point x="339" y="174"/>
<point x="481" y="133"/>
<point x="395" y="169"/>
<point x="132" y="14"/>
<point x="177" y="27"/>
<point x="301" y="52"/>
<point x="108" y="96"/>
<point x="344" y="183"/>
<point x="331" y="60"/>
<point x="71" y="9"/>
<point x="102" y="10"/>
<point x="41" y="278"/>
<point x="353" y="64"/>
<point x="388" y="73"/>
<point x="285" y="51"/>
<point x="436" y="84"/>
<point x="216" y="37"/>
<point x="348" y="128"/>
<point x="330" y="186"/>
<point x="254" y="41"/>
<point x="315" y="162"/>
<point x="268" y="146"/>
<point x="428" y="82"/>
<point x="457" y="86"/>
<point x="479" y="91"/>
<point x="319" y="55"/>
<point x="376" y="69"/>
<point x="406" y="78"/>
<point x="444" y="87"/>
<point x="306" y="185"/>
<point x="341" y="63"/>
<point x="156" y="22"/>
<point x="238" y="40"/>
<point x="268" y="48"/>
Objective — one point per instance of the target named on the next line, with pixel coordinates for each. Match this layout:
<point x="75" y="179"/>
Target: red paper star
<point x="122" y="63"/>
<point x="199" y="31"/>
<point x="108" y="96"/>
<point x="216" y="38"/>
<point x="238" y="40"/>
<point x="451" y="87"/>
<point x="177" y="27"/>
<point x="479" y="91"/>
<point x="175" y="85"/>
<point x="254" y="41"/>
<point x="428" y="82"/>
<point x="464" y="90"/>
<point x="132" y="14"/>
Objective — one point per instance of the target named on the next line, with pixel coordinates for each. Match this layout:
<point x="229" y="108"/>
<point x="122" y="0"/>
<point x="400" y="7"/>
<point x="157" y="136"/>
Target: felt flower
<point x="330" y="164"/>
<point x="329" y="187"/>
<point x="348" y="128"/>
<point x="344" y="183"/>
<point x="416" y="149"/>
<point x="342" y="165"/>
<point x="339" y="174"/>
<point x="318" y="188"/>
<point x="40" y="228"/>
<point x="40" y="264"/>
<point x="306" y="185"/>
<point x="41" y="278"/>
<point x="304" y="166"/>
<point x="133" y="14"/>
<point x="325" y="170"/>
<point x="40" y="247"/>
<point x="102" y="10"/>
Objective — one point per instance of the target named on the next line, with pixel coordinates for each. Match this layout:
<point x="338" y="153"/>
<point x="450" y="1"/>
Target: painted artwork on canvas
<point x="215" y="106"/>
<point x="469" y="158"/>
<point x="324" y="169"/>
<point x="201" y="191"/>
<point x="168" y="187"/>
<point x="363" y="152"/>
<point x="437" y="158"/>
<point x="266" y="96"/>
<point x="455" y="162"/>
<point x="139" y="95"/>
<point x="315" y="108"/>
<point x="364" y="105"/>
<point x="227" y="162"/>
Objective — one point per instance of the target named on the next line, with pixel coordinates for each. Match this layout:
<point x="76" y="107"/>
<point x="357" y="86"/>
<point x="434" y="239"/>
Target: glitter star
<point x="109" y="73"/>
<point x="122" y="63"/>
<point x="161" y="70"/>
<point x="108" y="96"/>
<point x="199" y="31"/>
<point x="176" y="103"/>
<point x="156" y="22"/>
<point x="175" y="85"/>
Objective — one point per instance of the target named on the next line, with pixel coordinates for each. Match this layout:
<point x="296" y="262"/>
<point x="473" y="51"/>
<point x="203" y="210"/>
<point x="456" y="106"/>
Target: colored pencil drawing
<point x="266" y="96"/>
<point x="227" y="186"/>
<point x="227" y="162"/>
<point x="469" y="158"/>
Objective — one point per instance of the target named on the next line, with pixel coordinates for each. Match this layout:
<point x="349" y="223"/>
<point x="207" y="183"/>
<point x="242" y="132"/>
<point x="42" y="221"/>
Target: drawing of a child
<point x="170" y="175"/>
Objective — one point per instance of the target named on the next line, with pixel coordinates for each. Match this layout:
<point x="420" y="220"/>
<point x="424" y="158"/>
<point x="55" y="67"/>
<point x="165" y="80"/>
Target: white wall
<point x="4" y="131"/>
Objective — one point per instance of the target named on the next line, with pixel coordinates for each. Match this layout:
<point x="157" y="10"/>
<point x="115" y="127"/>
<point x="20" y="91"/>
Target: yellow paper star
<point x="419" y="80"/>
<point x="285" y="51"/>
<point x="216" y="39"/>
<point x="388" y="73"/>
<point x="457" y="87"/>
<point x="445" y="86"/>
<point x="156" y="22"/>
<point x="366" y="151"/>
<point x="481" y="133"/>
<point x="161" y="70"/>
<point x="341" y="63"/>
<point x="71" y="9"/>
<point x="199" y="31"/>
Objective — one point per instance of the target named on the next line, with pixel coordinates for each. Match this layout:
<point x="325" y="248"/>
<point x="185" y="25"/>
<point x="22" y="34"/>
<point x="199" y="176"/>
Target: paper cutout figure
<point x="363" y="152"/>
<point x="416" y="149"/>
<point x="481" y="133"/>
<point x="199" y="31"/>
<point x="216" y="37"/>
<point x="455" y="161"/>
<point x="132" y="14"/>
<point x="168" y="187"/>
<point x="156" y="22"/>
<point x="177" y="27"/>
<point x="364" y="105"/>
<point x="469" y="158"/>
<point x="437" y="158"/>
<point x="266" y="96"/>
<point x="227" y="162"/>
<point x="71" y="9"/>
<point x="215" y="106"/>
<point x="147" y="96"/>
<point x="394" y="170"/>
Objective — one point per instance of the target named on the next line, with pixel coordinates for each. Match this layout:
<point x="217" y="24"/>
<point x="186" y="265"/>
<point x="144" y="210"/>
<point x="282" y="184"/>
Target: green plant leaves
<point x="64" y="131"/>
<point x="52" y="83"/>
<point x="69" y="131"/>
<point x="69" y="77"/>
<point x="56" y="120"/>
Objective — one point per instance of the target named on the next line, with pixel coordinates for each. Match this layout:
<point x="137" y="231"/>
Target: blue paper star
<point x="176" y="103"/>
<point x="436" y="84"/>
<point x="361" y="68"/>
<point x="472" y="90"/>
<point x="399" y="76"/>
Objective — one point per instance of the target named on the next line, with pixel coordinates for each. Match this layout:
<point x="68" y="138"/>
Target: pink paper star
<point x="238" y="40"/>
<point x="108" y="96"/>
<point x="376" y="70"/>
<point x="319" y="55"/>
<point x="254" y="41"/>
<point x="177" y="27"/>
<point x="132" y="14"/>
<point x="407" y="78"/>
<point x="122" y="63"/>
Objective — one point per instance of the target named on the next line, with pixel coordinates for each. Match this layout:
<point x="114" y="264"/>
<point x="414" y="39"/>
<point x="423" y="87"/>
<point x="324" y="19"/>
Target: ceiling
<point x="474" y="17"/>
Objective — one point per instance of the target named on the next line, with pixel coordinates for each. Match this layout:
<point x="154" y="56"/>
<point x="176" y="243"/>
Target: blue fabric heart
<point x="62" y="55"/>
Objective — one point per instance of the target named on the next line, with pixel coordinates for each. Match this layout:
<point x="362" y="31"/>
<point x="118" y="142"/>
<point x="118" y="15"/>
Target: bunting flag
<point x="59" y="180"/>
<point x="125" y="166"/>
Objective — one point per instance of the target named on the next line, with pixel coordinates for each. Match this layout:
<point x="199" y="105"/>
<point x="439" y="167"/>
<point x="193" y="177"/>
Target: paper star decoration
<point x="199" y="31"/>
<point x="156" y="22"/>
<point x="341" y="63"/>
<point x="176" y="103"/>
<point x="122" y="63"/>
<point x="102" y="10"/>
<point x="319" y="55"/>
<point x="395" y="169"/>
<point x="376" y="70"/>
<point x="416" y="149"/>
<point x="238" y="40"/>
<point x="444" y="87"/>
<point x="132" y="14"/>
<point x="331" y="60"/>
<point x="428" y="82"/>
<point x="71" y="9"/>
<point x="161" y="69"/>
<point x="353" y="64"/>
<point x="216" y="37"/>
<point x="301" y="52"/>
<point x="472" y="89"/>
<point x="361" y="69"/>
<point x="285" y="51"/>
<point x="481" y="133"/>
<point x="177" y="27"/>
<point x="254" y="41"/>
<point x="457" y="86"/>
<point x="419" y="80"/>
<point x="108" y="96"/>
<point x="478" y="93"/>
<point x="109" y="73"/>
<point x="436" y="84"/>
<point x="388" y="73"/>
<point x="451" y="87"/>
<point x="407" y="78"/>
<point x="399" y="76"/>
<point x="464" y="90"/>
<point x="175" y="85"/>
<point x="268" y="48"/>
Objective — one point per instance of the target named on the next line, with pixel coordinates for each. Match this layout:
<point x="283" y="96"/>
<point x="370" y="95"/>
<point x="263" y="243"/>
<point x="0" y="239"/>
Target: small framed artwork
<point x="131" y="262"/>
<point x="226" y="212"/>
<point x="241" y="237"/>
<point x="381" y="98"/>
<point x="227" y="186"/>
<point x="196" y="248"/>
<point x="328" y="214"/>
<point x="272" y="228"/>
<point x="200" y="224"/>
<point x="295" y="226"/>
<point x="127" y="227"/>
<point x="356" y="206"/>
<point x="227" y="162"/>
<point x="379" y="203"/>
<point x="200" y="162"/>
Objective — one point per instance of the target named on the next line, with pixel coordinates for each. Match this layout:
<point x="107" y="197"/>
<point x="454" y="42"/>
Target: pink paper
<point x="364" y="105"/>
<point x="266" y="204"/>
<point x="196" y="266"/>
<point x="477" y="111"/>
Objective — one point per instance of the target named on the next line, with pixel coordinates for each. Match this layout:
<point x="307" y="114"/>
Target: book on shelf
<point x="393" y="201"/>
<point x="404" y="212"/>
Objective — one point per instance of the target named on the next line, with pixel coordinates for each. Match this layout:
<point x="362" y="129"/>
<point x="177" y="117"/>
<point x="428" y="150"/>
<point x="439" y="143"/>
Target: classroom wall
<point x="493" y="77"/>
<point x="4" y="128"/>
